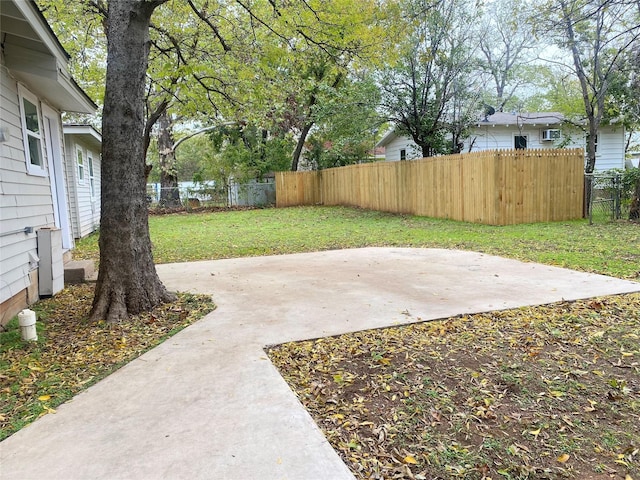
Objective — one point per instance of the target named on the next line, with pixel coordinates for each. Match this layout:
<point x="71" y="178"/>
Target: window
<point x="80" y="162"/>
<point x="403" y="154"/>
<point x="32" y="132"/>
<point x="520" y="142"/>
<point x="91" y="176"/>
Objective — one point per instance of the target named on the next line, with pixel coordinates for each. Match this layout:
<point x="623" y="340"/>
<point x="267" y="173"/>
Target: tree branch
<point x="204" y="18"/>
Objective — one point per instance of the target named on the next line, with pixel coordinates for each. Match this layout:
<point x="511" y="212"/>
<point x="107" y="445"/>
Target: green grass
<point x="72" y="354"/>
<point x="606" y="248"/>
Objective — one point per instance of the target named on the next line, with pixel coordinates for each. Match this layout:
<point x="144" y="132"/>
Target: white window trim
<point x="92" y="185"/>
<point x="32" y="169"/>
<point x="80" y="167"/>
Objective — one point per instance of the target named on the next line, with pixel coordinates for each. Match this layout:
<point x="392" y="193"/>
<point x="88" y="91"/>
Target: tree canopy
<point x="269" y="80"/>
<point x="422" y="92"/>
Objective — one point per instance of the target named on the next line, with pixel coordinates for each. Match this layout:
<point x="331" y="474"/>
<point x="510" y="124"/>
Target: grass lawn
<point x="607" y="248"/>
<point x="532" y="393"/>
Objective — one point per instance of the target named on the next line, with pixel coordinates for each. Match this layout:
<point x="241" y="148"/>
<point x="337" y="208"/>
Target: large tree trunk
<point x="169" y="191"/>
<point x="127" y="279"/>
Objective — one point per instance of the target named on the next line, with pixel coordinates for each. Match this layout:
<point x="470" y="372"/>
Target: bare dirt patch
<point x="545" y="392"/>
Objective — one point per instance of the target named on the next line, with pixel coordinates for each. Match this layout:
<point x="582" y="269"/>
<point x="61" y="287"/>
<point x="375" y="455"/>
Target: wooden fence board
<point x="493" y="187"/>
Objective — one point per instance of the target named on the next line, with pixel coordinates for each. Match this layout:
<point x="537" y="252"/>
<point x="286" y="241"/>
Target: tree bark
<point x="169" y="191"/>
<point x="127" y="279"/>
<point x="300" y="145"/>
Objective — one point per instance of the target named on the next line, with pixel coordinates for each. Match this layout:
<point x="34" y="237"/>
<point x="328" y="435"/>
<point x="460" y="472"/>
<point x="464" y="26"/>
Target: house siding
<point x="393" y="148"/>
<point x="489" y="137"/>
<point x="71" y="175"/>
<point x="85" y="209"/>
<point x="610" y="152"/>
<point x="25" y="200"/>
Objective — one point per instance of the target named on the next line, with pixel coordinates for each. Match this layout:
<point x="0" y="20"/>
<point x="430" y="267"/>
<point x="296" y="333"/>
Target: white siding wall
<point x="85" y="209"/>
<point x="392" y="149"/>
<point x="71" y="175"/>
<point x="502" y="137"/>
<point x="25" y="200"/>
<point x="610" y="152"/>
<point x="610" y="143"/>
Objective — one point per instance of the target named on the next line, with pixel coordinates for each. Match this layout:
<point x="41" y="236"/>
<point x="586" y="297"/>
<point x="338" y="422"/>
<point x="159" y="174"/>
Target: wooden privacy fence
<point x="500" y="187"/>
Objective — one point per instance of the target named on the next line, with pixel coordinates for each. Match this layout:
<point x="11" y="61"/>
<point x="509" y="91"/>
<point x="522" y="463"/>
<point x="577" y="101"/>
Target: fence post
<point x="588" y="177"/>
<point x="617" y="184"/>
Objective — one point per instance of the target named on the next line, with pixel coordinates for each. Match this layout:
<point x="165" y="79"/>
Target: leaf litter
<point x="72" y="354"/>
<point x="544" y="392"/>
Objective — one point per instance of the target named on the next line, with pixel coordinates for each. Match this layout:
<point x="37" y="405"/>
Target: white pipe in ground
<point x="27" y="321"/>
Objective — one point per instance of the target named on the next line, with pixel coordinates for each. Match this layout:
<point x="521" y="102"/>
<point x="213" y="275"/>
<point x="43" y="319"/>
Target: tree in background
<point x="244" y="152"/>
<point x="420" y="92"/>
<point x="191" y="157"/>
<point x="506" y="46"/>
<point x="625" y="102"/>
<point x="169" y="192"/>
<point x="304" y="73"/>
<point x="597" y="34"/>
<point x="347" y="123"/>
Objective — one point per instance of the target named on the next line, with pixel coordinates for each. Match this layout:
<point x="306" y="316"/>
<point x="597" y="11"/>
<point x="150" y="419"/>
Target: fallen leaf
<point x="596" y="305"/>
<point x="410" y="459"/>
<point x="44" y="398"/>
<point x="562" y="458"/>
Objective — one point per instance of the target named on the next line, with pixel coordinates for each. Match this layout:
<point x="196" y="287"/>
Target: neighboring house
<point x="523" y="130"/>
<point x="35" y="229"/>
<point x="83" y="147"/>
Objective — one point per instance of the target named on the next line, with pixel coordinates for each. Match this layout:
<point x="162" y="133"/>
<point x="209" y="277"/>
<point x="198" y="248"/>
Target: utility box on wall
<point x="51" y="267"/>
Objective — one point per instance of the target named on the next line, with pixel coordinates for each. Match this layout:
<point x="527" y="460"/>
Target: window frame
<point x="80" y="165"/>
<point x="526" y="141"/>
<point x="36" y="169"/>
<point x="403" y="154"/>
<point x="92" y="185"/>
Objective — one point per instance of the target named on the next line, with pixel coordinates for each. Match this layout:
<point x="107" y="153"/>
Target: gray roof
<point x="86" y="132"/>
<point x="500" y="118"/>
<point x="523" y="118"/>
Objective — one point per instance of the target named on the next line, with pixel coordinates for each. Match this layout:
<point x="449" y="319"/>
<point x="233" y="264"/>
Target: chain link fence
<point x="191" y="195"/>
<point x="608" y="196"/>
<point x="187" y="195"/>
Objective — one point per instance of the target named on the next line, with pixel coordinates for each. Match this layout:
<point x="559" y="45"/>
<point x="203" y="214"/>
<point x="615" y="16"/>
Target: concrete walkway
<point x="208" y="404"/>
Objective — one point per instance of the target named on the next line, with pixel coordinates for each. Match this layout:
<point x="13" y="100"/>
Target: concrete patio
<point x="208" y="404"/>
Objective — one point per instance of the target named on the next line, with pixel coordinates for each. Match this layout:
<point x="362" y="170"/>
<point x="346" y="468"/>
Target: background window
<point x="91" y="176"/>
<point x="80" y="166"/>
<point x="403" y="154"/>
<point x="520" y="142"/>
